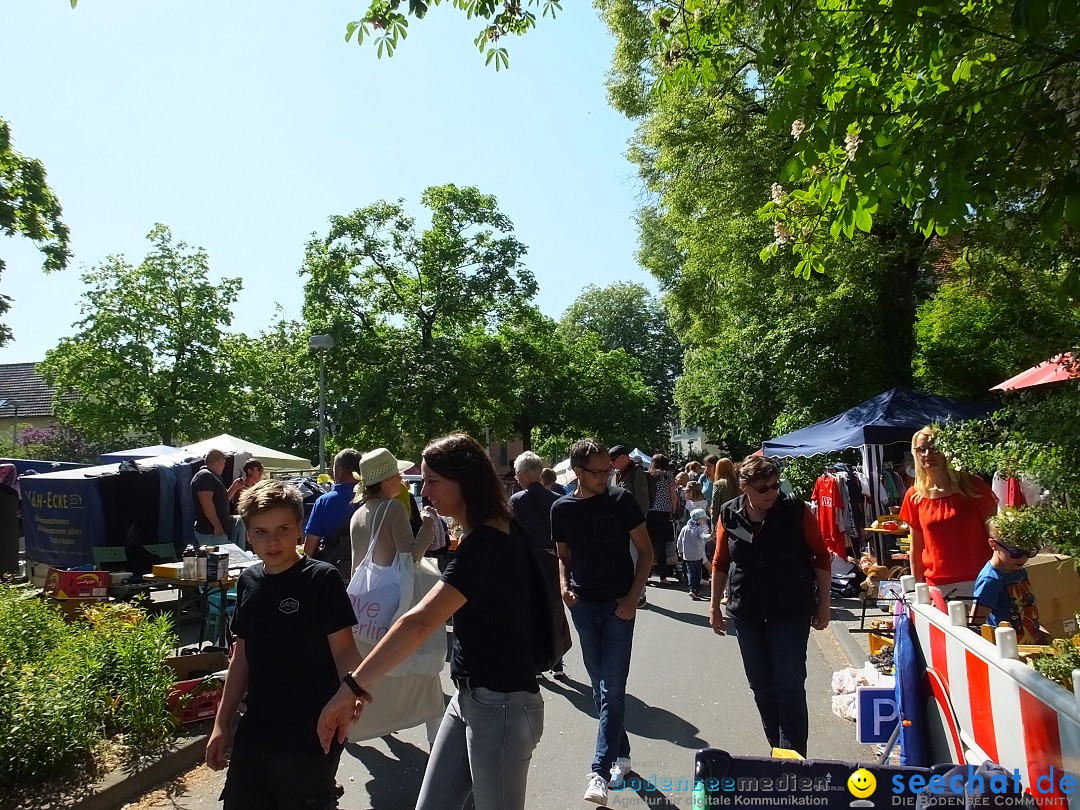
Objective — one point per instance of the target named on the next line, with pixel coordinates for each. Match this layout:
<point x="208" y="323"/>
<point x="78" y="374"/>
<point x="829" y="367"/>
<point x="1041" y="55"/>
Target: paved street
<point x="687" y="690"/>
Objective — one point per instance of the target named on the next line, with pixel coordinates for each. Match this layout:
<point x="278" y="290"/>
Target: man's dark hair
<point x="254" y="464"/>
<point x="583" y="451"/>
<point x="711" y="459"/>
<point x="459" y="457"/>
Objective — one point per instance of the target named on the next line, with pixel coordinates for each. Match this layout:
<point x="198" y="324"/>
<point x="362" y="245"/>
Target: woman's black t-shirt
<point x="493" y="638"/>
<point x="284" y="620"/>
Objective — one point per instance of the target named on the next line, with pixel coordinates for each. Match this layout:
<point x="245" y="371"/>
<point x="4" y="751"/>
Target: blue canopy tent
<point x="889" y="418"/>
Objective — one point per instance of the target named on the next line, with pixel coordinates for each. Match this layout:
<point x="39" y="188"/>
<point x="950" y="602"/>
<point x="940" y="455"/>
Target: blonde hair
<point x="959" y="481"/>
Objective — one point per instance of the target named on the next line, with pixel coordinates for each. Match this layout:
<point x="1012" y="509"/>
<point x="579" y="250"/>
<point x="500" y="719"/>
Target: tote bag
<point x="375" y="590"/>
<point x="417" y="578"/>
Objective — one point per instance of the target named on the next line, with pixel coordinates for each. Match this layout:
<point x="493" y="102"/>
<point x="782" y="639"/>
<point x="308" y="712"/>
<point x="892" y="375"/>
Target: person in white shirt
<point x="691" y="543"/>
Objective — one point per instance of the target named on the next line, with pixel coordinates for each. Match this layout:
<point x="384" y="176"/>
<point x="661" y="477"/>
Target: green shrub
<point x="68" y="686"/>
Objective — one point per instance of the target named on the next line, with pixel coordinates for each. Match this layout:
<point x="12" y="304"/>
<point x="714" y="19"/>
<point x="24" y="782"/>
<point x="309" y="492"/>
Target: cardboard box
<point x="168" y="570"/>
<point x="217" y="566"/>
<point x="199" y="683"/>
<point x="61" y="584"/>
<point x="1056" y="586"/>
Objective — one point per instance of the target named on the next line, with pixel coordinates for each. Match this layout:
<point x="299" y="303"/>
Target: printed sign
<point x="875" y="714"/>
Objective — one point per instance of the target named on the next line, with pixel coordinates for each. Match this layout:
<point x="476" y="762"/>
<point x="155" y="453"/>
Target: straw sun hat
<point x="378" y="465"/>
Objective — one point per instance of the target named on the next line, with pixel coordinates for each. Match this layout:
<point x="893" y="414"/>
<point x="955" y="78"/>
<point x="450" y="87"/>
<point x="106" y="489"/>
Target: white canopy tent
<point x="272" y="460"/>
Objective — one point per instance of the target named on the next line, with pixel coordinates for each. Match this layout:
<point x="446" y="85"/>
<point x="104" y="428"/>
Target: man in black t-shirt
<point x="593" y="529"/>
<point x="293" y="622"/>
<point x="213" y="523"/>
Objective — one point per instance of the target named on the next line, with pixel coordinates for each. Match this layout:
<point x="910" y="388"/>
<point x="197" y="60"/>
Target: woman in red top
<point x="947" y="511"/>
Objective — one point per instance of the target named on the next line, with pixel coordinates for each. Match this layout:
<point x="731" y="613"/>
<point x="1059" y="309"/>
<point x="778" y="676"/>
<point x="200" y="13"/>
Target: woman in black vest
<point x="779" y="578"/>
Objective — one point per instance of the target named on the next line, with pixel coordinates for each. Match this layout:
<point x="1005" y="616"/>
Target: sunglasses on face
<point x="1016" y="553"/>
<point x="765" y="488"/>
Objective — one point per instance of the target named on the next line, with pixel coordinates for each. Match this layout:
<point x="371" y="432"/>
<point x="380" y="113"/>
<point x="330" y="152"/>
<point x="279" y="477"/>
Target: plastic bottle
<point x="201" y="563"/>
<point x="191" y="566"/>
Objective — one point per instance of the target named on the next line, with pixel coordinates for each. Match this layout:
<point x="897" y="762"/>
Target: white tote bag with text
<point x="375" y="590"/>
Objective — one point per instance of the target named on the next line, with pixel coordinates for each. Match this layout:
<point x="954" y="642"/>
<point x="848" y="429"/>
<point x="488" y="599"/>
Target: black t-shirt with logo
<point x="493" y="639"/>
<point x="284" y="620"/>
<point x="597" y="529"/>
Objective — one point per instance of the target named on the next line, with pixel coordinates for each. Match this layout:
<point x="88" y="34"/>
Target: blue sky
<point x="244" y="125"/>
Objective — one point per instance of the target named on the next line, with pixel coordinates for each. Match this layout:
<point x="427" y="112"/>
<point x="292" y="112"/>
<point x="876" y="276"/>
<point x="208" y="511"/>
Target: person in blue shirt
<point x="1003" y="593"/>
<point x="331" y="513"/>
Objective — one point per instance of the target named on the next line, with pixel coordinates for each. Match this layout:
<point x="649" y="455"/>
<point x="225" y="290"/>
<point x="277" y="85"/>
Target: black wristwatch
<point x="356" y="688"/>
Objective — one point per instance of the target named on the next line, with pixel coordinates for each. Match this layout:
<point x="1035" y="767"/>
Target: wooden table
<point x="200" y="590"/>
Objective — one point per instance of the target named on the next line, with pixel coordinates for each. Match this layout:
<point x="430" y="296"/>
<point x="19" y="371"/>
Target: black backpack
<point x="551" y="631"/>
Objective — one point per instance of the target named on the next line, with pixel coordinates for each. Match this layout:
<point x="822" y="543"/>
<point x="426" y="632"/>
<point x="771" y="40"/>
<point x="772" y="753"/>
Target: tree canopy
<point x="145" y="359"/>
<point x="957" y="112"/>
<point x="29" y="208"/>
<point x="626" y="316"/>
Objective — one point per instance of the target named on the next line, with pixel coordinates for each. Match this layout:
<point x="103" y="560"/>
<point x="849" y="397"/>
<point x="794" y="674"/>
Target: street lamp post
<point x="322" y="343"/>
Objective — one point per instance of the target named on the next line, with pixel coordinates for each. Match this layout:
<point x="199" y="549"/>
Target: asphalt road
<point x="686" y="691"/>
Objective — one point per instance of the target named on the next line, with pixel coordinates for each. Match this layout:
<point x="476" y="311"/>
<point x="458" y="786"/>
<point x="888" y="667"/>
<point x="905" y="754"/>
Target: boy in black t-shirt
<point x="294" y="624"/>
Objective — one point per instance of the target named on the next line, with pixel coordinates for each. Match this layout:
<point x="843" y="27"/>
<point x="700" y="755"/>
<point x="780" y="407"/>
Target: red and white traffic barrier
<point x="993" y="706"/>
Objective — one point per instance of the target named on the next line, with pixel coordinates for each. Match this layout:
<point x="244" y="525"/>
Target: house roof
<point x="25" y="390"/>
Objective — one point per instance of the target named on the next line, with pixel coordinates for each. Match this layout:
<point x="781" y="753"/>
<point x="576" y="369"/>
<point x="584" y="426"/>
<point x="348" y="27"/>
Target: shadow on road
<point x="688" y="618"/>
<point x="641" y="719"/>
<point x="395" y="780"/>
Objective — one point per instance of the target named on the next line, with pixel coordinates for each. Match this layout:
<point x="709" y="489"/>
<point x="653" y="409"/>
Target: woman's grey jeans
<point x="483" y="749"/>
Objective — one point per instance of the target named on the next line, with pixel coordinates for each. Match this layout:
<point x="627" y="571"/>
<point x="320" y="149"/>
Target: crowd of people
<point x="728" y="524"/>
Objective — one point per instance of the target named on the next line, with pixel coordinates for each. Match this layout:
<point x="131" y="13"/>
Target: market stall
<point x="67" y="514"/>
<point x="889" y="418"/>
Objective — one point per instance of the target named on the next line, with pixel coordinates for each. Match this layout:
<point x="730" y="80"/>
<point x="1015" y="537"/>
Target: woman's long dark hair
<point x="459" y="457"/>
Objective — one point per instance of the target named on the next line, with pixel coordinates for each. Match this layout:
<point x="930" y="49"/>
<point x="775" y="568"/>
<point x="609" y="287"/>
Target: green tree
<point x="990" y="318"/>
<point x="765" y="351"/>
<point x="145" y="357"/>
<point x="28" y="208"/>
<point x="553" y="383"/>
<point x="954" y="111"/>
<point x="274" y="396"/>
<point x="626" y="315"/>
<point x="414" y="314"/>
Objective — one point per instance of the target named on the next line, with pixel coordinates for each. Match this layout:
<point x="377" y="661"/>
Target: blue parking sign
<point x="875" y="714"/>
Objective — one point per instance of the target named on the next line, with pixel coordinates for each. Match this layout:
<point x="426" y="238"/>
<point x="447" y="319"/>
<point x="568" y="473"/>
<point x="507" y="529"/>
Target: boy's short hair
<point x="548" y="476"/>
<point x="254" y="464"/>
<point x="267" y="495"/>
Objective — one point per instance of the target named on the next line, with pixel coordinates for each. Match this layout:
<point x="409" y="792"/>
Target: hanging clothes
<point x="827" y="497"/>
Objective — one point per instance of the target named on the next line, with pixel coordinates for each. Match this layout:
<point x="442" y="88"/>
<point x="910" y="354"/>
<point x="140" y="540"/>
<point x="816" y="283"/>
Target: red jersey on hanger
<point x="827" y="497"/>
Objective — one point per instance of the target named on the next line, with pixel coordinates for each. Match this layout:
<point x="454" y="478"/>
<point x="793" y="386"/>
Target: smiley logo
<point x="861" y="783"/>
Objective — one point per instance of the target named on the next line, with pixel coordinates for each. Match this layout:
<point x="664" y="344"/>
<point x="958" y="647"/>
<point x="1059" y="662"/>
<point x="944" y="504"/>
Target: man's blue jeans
<point x="606" y="643"/>
<point x="774" y="658"/>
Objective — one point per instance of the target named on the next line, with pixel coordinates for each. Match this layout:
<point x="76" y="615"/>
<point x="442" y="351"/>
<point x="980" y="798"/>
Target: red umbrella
<point x="1062" y="367"/>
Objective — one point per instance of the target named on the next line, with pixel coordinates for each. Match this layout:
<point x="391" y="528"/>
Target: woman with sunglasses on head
<point x="496" y="717"/>
<point x="947" y="511"/>
<point x="771" y="546"/>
